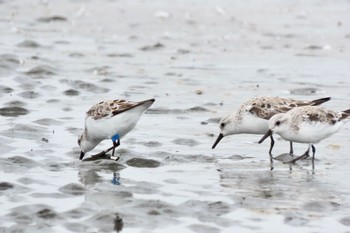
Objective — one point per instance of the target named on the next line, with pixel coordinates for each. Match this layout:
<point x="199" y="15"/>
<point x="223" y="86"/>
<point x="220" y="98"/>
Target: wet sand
<point x="200" y="60"/>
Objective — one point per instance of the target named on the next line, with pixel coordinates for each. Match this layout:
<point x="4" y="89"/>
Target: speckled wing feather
<point x="323" y="115"/>
<point x="266" y="107"/>
<point x="110" y="108"/>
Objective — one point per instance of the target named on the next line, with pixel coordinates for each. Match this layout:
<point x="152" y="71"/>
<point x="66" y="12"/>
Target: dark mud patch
<point x="154" y="47"/>
<point x="29" y="44"/>
<point x="120" y="55"/>
<point x="74" y="131"/>
<point x="152" y="144"/>
<point x="53" y="166"/>
<point x="77" y="84"/>
<point x="71" y="92"/>
<point x="54" y="18"/>
<point x="31" y="132"/>
<point x="321" y="206"/>
<point x="5" y="90"/>
<point x="48" y="88"/>
<point x="296" y="220"/>
<point x="46" y="213"/>
<point x="107" y="80"/>
<point x="73" y="189"/>
<point x="237" y="157"/>
<point x="9" y="61"/>
<point x="314" y="47"/>
<point x="159" y="206"/>
<point x="22" y="161"/>
<point x="62" y="42"/>
<point x="11" y="188"/>
<point x="186" y="142"/>
<point x="173" y="74"/>
<point x="197" y="109"/>
<point x="143" y="163"/>
<point x="48" y="122"/>
<point x="41" y="71"/>
<point x="15" y="103"/>
<point x="8" y="64"/>
<point x="13" y="111"/>
<point x="78" y="213"/>
<point x="304" y="91"/>
<point x="5" y="186"/>
<point x="183" y="51"/>
<point x="345" y="221"/>
<point x="53" y="101"/>
<point x="29" y="94"/>
<point x="77" y="55"/>
<point x="28" y="214"/>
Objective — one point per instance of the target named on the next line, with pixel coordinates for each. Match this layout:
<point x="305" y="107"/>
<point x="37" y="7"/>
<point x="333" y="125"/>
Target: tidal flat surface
<point x="200" y="60"/>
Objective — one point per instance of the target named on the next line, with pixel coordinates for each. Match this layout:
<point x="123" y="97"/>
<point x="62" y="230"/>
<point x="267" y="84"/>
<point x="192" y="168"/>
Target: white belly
<point x="311" y="133"/>
<point x="108" y="127"/>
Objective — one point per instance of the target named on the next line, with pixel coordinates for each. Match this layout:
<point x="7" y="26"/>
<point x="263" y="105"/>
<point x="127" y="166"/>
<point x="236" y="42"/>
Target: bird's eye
<point x="222" y="125"/>
<point x="79" y="140"/>
<point x="278" y="123"/>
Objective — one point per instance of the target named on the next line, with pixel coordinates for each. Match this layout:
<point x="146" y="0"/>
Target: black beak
<point x="268" y="134"/>
<point x="81" y="155"/>
<point x="217" y="140"/>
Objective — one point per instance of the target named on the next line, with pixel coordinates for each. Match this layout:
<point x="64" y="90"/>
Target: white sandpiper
<point x="110" y="119"/>
<point x="308" y="124"/>
<point x="252" y="116"/>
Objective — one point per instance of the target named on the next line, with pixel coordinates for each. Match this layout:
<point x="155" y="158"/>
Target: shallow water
<point x="199" y="61"/>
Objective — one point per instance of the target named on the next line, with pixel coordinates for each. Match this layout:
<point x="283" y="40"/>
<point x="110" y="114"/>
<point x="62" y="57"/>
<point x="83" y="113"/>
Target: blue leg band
<point x="115" y="137"/>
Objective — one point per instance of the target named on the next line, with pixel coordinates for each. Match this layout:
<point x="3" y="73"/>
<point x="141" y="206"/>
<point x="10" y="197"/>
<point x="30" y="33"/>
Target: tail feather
<point x="320" y="101"/>
<point x="345" y="114"/>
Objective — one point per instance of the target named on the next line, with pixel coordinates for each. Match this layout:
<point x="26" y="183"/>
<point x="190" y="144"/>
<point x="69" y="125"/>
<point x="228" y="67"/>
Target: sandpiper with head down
<point x="308" y="124"/>
<point x="252" y="116"/>
<point x="110" y="119"/>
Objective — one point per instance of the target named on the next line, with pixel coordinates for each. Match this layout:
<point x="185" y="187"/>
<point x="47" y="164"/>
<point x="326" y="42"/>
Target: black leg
<point x="271" y="145"/>
<point x="303" y="156"/>
<point x="313" y="156"/>
<point x="291" y="151"/>
<point x="103" y="153"/>
<point x="306" y="154"/>
<point x="270" y="152"/>
<point x="115" y="144"/>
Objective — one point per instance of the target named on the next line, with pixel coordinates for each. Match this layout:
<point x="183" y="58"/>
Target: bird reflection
<point x="118" y="223"/>
<point x="116" y="178"/>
